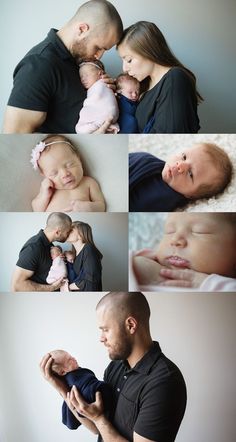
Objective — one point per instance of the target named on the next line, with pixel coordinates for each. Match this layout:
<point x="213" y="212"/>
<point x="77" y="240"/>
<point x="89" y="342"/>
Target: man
<point x="149" y="390"/>
<point x="35" y="260"/>
<point x="47" y="95"/>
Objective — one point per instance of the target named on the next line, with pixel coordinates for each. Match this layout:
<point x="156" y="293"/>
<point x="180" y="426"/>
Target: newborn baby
<point x="58" y="268"/>
<point x="83" y="378"/>
<point x="100" y="104"/>
<point x="128" y="89"/>
<point x="64" y="187"/>
<point x="157" y="186"/>
<point x="198" y="250"/>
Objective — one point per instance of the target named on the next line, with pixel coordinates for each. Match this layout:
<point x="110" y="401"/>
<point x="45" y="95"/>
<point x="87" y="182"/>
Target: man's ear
<point x="82" y="28"/>
<point x="131" y="324"/>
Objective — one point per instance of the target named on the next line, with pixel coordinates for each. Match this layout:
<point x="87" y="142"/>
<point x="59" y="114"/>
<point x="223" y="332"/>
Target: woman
<point x="170" y="98"/>
<point x="87" y="264"/>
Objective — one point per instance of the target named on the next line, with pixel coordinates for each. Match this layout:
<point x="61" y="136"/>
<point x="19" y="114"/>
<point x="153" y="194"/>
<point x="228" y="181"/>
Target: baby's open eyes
<point x="184" y="157"/>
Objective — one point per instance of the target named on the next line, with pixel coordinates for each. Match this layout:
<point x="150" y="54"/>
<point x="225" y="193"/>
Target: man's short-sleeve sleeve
<point x="29" y="258"/>
<point x="34" y="84"/>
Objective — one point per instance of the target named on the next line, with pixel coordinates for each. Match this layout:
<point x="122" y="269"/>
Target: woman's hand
<point x="73" y="286"/>
<point x="58" y="384"/>
<point x="182" y="278"/>
<point x="91" y="411"/>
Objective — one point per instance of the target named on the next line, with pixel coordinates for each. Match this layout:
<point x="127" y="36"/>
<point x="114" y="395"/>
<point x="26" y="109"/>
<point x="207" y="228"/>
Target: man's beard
<point x="79" y="51"/>
<point x="123" y="349"/>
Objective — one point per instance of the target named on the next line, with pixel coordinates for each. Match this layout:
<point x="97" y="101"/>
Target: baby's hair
<point x="124" y="77"/>
<point x="55" y="365"/>
<point x="57" y="247"/>
<point x="222" y="163"/>
<point x="71" y="252"/>
<point x="93" y="62"/>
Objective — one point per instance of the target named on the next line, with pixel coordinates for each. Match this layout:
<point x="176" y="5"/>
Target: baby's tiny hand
<point x="148" y="253"/>
<point x="47" y="186"/>
<point x="182" y="278"/>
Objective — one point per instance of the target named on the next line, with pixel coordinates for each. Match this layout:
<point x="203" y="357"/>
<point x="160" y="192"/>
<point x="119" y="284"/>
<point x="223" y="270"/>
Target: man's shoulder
<point x="35" y="241"/>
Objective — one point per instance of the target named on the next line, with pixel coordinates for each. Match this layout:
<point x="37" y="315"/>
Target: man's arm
<point x="17" y="120"/>
<point x="21" y="282"/>
<point x="94" y="412"/>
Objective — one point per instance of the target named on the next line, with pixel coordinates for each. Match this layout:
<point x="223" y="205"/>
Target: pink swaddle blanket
<point x="100" y="105"/>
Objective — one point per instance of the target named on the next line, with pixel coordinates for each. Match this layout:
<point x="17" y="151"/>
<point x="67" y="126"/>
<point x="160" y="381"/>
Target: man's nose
<point x="99" y="54"/>
<point x="102" y="338"/>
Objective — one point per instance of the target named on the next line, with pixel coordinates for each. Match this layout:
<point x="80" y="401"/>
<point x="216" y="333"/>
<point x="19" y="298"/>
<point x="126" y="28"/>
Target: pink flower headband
<point x="39" y="148"/>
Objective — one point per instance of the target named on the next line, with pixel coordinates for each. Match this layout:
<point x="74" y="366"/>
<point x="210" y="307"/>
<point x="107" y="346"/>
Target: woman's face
<point x="74" y="235"/>
<point x="134" y="64"/>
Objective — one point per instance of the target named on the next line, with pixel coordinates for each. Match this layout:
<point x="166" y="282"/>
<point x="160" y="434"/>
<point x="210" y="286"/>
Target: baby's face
<point x="61" y="166"/>
<point x="69" y="257"/>
<point x="55" y="252"/>
<point x="63" y="362"/>
<point x="186" y="171"/>
<point x="130" y="89"/>
<point x="205" y="242"/>
<point x="89" y="74"/>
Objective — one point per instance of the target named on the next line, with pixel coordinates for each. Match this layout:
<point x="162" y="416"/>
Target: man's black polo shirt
<point x="35" y="256"/>
<point x="150" y="398"/>
<point x="47" y="80"/>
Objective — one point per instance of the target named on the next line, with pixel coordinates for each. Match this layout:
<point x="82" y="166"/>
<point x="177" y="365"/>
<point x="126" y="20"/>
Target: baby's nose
<point x="181" y="166"/>
<point x="64" y="172"/>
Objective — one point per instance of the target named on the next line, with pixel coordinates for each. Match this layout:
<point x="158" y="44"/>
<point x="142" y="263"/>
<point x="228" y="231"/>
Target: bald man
<point x="47" y="95"/>
<point x="35" y="260"/>
<point x="149" y="390"/>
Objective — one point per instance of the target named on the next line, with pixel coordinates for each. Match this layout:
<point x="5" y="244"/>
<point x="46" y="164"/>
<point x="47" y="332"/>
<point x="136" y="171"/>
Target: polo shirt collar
<point x="45" y="240"/>
<point x="59" y="45"/>
<point x="148" y="360"/>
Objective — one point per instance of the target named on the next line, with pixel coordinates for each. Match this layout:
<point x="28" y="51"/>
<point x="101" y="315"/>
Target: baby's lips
<point x="177" y="261"/>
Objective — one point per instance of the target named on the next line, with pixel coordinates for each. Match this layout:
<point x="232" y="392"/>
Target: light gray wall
<point x="196" y="331"/>
<point x="110" y="232"/>
<point x="202" y="34"/>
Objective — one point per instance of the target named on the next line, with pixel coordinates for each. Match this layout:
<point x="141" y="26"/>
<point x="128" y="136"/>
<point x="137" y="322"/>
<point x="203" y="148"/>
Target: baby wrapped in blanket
<point x="100" y="104"/>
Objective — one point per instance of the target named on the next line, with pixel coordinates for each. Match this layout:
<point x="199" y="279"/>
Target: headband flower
<point x="36" y="152"/>
<point x="39" y="148"/>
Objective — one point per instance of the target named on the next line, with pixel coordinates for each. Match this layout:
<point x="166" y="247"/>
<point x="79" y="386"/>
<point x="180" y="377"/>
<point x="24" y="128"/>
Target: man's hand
<point x="110" y="82"/>
<point x="58" y="384"/>
<point x="91" y="411"/>
<point x="104" y="127"/>
<point x="182" y="278"/>
<point x="57" y="284"/>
